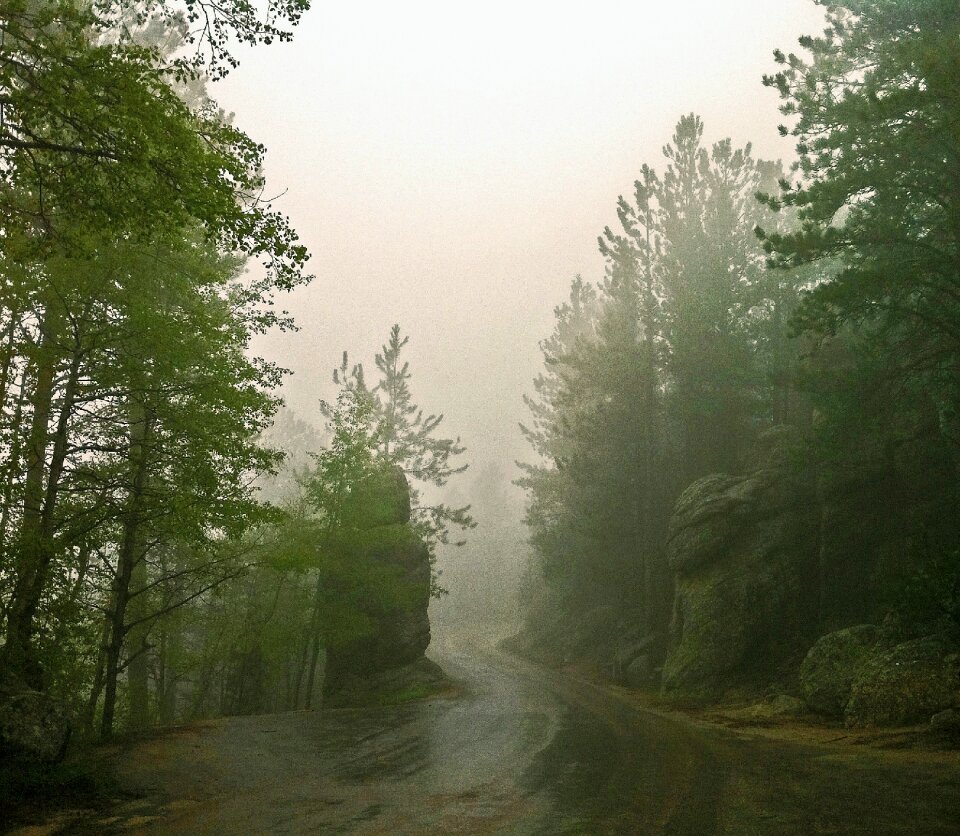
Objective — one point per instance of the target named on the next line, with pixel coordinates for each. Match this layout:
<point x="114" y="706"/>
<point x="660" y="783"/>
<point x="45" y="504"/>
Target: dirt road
<point x="521" y="750"/>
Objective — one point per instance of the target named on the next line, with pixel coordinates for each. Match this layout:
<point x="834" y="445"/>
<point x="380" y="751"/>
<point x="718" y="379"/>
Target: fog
<point x="451" y="167"/>
<point x="700" y="388"/>
<point x="450" y="170"/>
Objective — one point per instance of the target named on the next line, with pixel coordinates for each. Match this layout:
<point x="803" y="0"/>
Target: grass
<point x="417" y="691"/>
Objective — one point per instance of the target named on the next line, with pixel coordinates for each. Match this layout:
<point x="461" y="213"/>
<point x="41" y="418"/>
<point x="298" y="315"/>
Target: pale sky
<point x="450" y="166"/>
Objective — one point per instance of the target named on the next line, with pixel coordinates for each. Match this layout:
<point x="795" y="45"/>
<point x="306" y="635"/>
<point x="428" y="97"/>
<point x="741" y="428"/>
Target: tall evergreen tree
<point x="872" y="105"/>
<point x="665" y="379"/>
<point x="874" y="110"/>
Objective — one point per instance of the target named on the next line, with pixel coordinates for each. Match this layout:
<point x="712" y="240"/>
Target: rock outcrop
<point x="391" y="654"/>
<point x="744" y="550"/>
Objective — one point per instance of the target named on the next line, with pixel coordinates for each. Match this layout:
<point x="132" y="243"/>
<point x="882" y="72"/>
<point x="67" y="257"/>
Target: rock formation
<point x="744" y="550"/>
<point x="390" y="656"/>
<point x="830" y="667"/>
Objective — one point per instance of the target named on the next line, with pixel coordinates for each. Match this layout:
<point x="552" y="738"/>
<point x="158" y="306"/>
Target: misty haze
<point x="513" y="418"/>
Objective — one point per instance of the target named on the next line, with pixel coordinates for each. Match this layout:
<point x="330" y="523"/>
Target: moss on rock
<point x="743" y="549"/>
<point x="832" y="664"/>
<point x="904" y="684"/>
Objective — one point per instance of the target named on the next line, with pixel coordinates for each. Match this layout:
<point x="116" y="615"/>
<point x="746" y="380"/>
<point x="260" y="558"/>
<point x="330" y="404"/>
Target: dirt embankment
<point x="769" y="719"/>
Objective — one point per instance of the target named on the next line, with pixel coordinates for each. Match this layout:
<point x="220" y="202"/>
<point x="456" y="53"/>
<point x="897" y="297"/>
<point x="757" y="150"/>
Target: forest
<point x="746" y="432"/>
<point x="158" y="559"/>
<point x="743" y="466"/>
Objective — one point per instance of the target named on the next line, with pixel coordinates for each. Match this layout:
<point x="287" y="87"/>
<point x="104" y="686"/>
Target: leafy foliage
<point x="129" y="404"/>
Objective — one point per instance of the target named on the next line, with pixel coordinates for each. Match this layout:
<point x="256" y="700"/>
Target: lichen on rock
<point x="872" y="680"/>
<point x="34" y="727"/>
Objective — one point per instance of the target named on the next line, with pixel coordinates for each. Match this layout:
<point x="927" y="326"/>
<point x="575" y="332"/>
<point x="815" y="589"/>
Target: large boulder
<point x="744" y="551"/>
<point x="904" y="684"/>
<point x="34" y="727"/>
<point x="870" y="679"/>
<point x="830" y="667"/>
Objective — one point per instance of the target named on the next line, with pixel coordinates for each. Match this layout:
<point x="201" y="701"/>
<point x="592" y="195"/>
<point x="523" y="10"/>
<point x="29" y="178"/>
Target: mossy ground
<point x="415" y="691"/>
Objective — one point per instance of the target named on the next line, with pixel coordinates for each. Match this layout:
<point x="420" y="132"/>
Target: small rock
<point x="946" y="723"/>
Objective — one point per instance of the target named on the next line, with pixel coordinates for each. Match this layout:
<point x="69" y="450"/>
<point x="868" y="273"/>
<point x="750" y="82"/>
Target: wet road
<point x="523" y="750"/>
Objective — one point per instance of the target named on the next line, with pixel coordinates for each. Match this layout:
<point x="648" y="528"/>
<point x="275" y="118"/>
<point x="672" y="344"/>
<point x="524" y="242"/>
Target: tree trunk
<point x="11" y="468"/>
<point x="34" y="544"/>
<point x="130" y="554"/>
<point x="9" y="352"/>
<point x="315" y="643"/>
<point x="138" y="669"/>
<point x="90" y="711"/>
<point x="303" y="657"/>
<point x="167" y="686"/>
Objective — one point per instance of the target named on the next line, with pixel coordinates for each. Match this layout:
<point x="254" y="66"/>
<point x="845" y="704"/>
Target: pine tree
<point x="406" y="437"/>
<point x="657" y="377"/>
<point x="873" y="107"/>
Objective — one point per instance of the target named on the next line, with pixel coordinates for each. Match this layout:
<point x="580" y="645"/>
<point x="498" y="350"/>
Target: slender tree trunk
<point x="202" y="690"/>
<point x="315" y="642"/>
<point x="130" y="554"/>
<point x="11" y="469"/>
<point x="9" y="352"/>
<point x="648" y="544"/>
<point x="34" y="544"/>
<point x="223" y="688"/>
<point x="114" y="647"/>
<point x="170" y="644"/>
<point x="138" y="669"/>
<point x="161" y="668"/>
<point x="303" y="655"/>
<point x="99" y="674"/>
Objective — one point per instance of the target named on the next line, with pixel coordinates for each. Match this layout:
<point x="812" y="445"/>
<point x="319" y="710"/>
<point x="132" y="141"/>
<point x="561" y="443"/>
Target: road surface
<point x="521" y="749"/>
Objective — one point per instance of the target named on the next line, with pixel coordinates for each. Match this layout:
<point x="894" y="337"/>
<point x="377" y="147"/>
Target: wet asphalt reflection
<point x="521" y="750"/>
